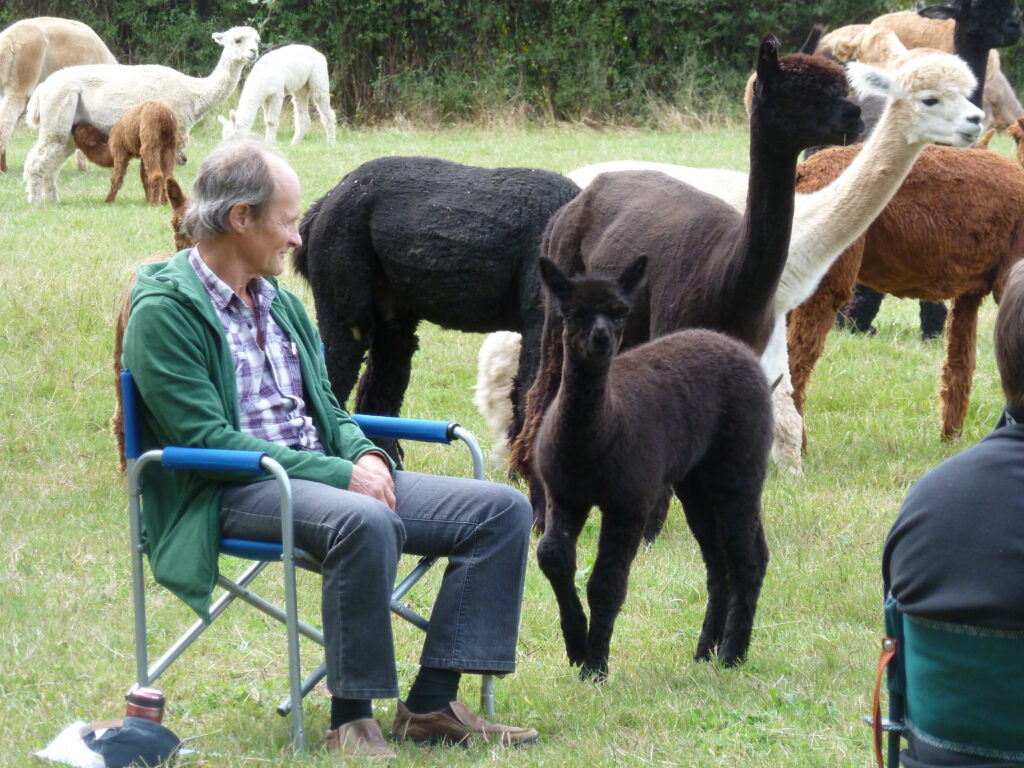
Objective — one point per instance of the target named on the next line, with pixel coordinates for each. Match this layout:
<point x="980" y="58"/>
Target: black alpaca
<point x="710" y="266"/>
<point x="981" y="25"/>
<point x="690" y="410"/>
<point x="404" y="239"/>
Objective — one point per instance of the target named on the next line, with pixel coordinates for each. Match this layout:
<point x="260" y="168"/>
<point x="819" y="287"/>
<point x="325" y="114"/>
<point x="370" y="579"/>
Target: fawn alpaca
<point x="690" y="410"/>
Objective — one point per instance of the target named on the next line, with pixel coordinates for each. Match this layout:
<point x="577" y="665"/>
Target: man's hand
<point x="372" y="476"/>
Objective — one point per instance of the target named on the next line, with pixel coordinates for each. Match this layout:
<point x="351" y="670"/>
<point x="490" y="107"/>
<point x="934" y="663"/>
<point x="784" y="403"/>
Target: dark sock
<point x="433" y="689"/>
<point x="346" y="710"/>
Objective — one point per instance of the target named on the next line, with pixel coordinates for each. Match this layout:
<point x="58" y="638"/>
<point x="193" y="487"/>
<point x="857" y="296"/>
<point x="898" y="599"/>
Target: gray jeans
<point x="482" y="528"/>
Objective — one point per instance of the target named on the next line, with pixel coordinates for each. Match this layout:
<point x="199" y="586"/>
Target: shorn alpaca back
<point x="691" y="411"/>
<point x="297" y="71"/>
<point x="30" y="51"/>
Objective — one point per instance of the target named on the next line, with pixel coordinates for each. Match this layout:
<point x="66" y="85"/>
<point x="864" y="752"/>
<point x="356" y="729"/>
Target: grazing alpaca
<point x="297" y="71"/>
<point x="31" y="50"/>
<point x="496" y="369"/>
<point x="149" y="132"/>
<point x="100" y="93"/>
<point x="404" y="239"/>
<point x="928" y="102"/>
<point x="689" y="410"/>
<point x="94" y="144"/>
<point x="951" y="232"/>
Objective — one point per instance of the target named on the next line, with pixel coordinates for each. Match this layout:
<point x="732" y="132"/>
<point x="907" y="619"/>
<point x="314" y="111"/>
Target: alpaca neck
<point x="583" y="404"/>
<point x="248" y="105"/>
<point x="217" y="86"/>
<point x="976" y="57"/>
<point x="827" y="221"/>
<point x="758" y="257"/>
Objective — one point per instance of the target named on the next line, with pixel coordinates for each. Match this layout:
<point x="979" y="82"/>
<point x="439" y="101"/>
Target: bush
<point x="595" y="60"/>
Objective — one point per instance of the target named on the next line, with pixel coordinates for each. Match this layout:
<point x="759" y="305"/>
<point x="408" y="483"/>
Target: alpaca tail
<point x="32" y="110"/>
<point x="300" y="257"/>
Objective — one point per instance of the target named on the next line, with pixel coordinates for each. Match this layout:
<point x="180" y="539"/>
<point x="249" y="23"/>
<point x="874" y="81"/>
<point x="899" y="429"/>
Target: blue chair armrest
<point x="213" y="459"/>
<point x="424" y="430"/>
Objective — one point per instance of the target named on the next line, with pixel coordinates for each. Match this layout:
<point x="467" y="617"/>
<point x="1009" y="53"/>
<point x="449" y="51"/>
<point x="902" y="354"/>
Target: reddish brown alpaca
<point x="148" y="131"/>
<point x="178" y="203"/>
<point x="951" y="232"/>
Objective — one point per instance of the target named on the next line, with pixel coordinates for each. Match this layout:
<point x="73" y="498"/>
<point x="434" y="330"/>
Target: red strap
<point x="888" y="651"/>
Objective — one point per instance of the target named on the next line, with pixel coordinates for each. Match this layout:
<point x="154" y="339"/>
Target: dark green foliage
<point x="564" y="59"/>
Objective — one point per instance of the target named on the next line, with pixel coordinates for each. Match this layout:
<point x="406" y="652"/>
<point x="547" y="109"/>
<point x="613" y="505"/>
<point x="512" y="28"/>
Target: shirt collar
<point x="219" y="292"/>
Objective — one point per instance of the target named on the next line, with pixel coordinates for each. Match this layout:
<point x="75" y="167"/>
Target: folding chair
<point x="951" y="686"/>
<point x="263" y="553"/>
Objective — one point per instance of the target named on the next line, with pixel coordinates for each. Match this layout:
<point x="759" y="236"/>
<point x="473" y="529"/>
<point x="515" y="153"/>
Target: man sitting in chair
<point x="225" y="358"/>
<point x="955" y="556"/>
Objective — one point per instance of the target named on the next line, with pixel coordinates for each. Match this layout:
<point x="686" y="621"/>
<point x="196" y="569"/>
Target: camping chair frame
<point x="263" y="553"/>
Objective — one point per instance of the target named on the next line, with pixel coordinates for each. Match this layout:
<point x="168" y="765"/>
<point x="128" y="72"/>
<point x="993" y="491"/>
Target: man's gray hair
<point x="234" y="172"/>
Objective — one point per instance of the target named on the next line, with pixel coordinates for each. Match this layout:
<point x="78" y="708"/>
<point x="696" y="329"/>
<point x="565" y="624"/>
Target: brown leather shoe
<point x="460" y="726"/>
<point x="360" y="738"/>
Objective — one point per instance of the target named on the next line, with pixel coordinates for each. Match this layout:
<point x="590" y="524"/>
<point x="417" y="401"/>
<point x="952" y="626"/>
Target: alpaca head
<point x="929" y="94"/>
<point x="228" y="125"/>
<point x="593" y="309"/>
<point x="799" y="101"/>
<point x="241" y="44"/>
<point x="987" y="23"/>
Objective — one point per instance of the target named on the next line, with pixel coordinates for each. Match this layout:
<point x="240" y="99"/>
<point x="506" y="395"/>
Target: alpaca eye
<point x="929" y="102"/>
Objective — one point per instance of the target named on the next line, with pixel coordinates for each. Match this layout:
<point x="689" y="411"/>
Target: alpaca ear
<point x="867" y="80"/>
<point x="233" y="117"/>
<point x="945" y="10"/>
<point x="811" y="43"/>
<point x="222" y="120"/>
<point x="633" y="275"/>
<point x="556" y="282"/>
<point x="768" y="59"/>
<point x="218" y="38"/>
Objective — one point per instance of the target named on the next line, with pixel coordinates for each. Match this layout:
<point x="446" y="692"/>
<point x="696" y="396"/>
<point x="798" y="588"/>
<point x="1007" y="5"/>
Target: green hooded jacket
<point x="181" y="361"/>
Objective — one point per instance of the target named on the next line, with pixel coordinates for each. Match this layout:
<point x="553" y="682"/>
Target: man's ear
<point x="239" y="217"/>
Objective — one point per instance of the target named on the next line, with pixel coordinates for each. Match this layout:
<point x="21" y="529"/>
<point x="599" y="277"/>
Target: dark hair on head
<point x="235" y="172"/>
<point x="1008" y="338"/>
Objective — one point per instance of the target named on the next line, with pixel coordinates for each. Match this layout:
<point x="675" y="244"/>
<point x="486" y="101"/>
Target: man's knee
<point x="513" y="513"/>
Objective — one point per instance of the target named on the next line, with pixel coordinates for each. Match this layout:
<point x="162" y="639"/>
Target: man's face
<point x="272" y="235"/>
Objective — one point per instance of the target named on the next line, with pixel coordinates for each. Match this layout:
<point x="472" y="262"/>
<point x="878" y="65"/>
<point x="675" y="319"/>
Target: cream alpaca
<point x="297" y="71"/>
<point x="99" y="94"/>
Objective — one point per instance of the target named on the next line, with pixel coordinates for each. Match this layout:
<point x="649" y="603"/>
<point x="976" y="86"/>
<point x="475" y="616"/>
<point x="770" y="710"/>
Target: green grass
<point x="65" y="616"/>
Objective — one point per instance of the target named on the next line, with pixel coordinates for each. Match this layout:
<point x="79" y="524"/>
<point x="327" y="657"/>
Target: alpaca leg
<point x="386" y="376"/>
<point x="858" y="313"/>
<point x="300" y="106"/>
<point x="621" y="530"/>
<point x="746" y="559"/>
<point x="787" y="427"/>
<point x="272" y="116"/>
<point x="11" y="108"/>
<point x="327" y="117"/>
<point x="42" y="167"/>
<point x="556" y="556"/>
<point x="117" y="178"/>
<point x="958" y="367"/>
<point x="526" y="373"/>
<point x="700" y="516"/>
<point x="81" y="160"/>
<point x="933" y="319"/>
<point x="808" y="325"/>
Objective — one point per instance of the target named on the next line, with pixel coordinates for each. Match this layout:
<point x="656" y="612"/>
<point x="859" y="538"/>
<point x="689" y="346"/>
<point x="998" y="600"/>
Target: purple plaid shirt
<point x="269" y="379"/>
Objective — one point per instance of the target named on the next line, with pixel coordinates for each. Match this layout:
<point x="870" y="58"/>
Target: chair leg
<point x="487" y="694"/>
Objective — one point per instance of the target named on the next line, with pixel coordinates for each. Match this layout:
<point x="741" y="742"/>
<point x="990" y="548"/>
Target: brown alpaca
<point x="181" y="241"/>
<point x="148" y="131"/>
<point x="951" y="232"/>
<point x="93" y="143"/>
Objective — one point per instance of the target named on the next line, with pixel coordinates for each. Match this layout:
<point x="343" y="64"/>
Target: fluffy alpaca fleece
<point x="100" y="93"/>
<point x="951" y="232"/>
<point x="30" y="51"/>
<point x="710" y="265"/>
<point x="1002" y="107"/>
<point x="828" y="221"/>
<point x="149" y="132"/>
<point x="405" y="239"/>
<point x="297" y="71"/>
<point x="496" y="369"/>
<point x="689" y="410"/>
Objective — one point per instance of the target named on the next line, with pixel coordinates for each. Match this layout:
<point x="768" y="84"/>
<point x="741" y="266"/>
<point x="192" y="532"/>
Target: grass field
<point x="65" y="612"/>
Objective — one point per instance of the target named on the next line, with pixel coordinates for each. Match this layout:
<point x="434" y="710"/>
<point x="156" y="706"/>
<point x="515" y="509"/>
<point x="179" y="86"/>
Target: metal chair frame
<point x="263" y="553"/>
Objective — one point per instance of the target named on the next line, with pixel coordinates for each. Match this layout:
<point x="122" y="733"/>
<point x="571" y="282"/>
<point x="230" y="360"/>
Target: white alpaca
<point x="497" y="364"/>
<point x="297" y="71"/>
<point x="99" y="94"/>
<point x="928" y="102"/>
<point x="30" y="51"/>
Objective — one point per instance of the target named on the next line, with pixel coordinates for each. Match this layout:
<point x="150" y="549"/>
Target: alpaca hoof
<point x="595" y="673"/>
<point x="704" y="654"/>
